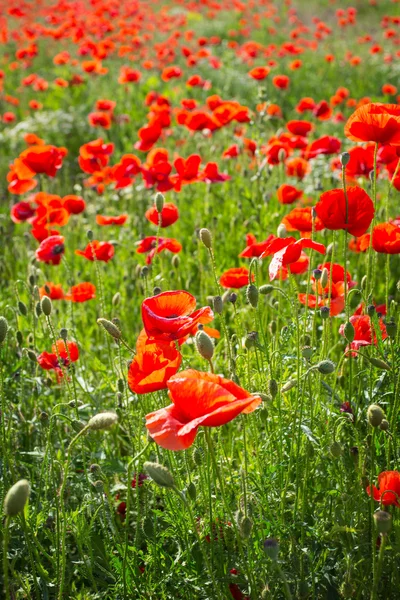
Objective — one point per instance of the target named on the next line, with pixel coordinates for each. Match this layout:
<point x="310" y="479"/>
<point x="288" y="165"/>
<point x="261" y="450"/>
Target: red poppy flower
<point x="68" y="352"/>
<point x="53" y="290"/>
<point x="148" y="135"/>
<point x="389" y="488"/>
<point x="39" y="159"/>
<point x="81" y="292"/>
<point x="305" y="104"/>
<point x="301" y="219"/>
<point x="129" y="75"/>
<point x="104" y="220"/>
<point x="322" y="111"/>
<point x="327" y="144"/>
<point x="375" y="122"/>
<point x="299" y="127"/>
<point x="254" y="248"/>
<point x="386" y="238"/>
<point x="363" y="332"/>
<point x="332" y="294"/>
<point x="149" y="245"/>
<point x="288" y="250"/>
<point x="259" y="73"/>
<point x="198" y="399"/>
<point x="22" y="211"/>
<point x="287" y="194"/>
<point x="100" y="119"/>
<point x="235" y="278"/>
<point x="171" y="315"/>
<point x="124" y="172"/>
<point x="154" y="363"/>
<point x="331" y="209"/>
<point x="169" y="215"/>
<point x="51" y="250"/>
<point x="211" y="174"/>
<point x="74" y="204"/>
<point x="103" y="251"/>
<point x="297" y="167"/>
<point x="281" y="82"/>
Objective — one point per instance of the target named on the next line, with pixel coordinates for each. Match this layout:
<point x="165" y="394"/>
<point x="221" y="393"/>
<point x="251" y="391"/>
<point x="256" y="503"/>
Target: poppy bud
<point x="110" y="328"/>
<point x="384" y="425"/>
<point x="159" y="474"/>
<point x="191" y="491"/>
<point x="370" y="310"/>
<point x="354" y="455"/>
<point x="383" y="521"/>
<point x="89" y="235"/>
<point x="218" y="305"/>
<point x="272" y="387"/>
<point x="77" y="425"/>
<point x="3" y="329"/>
<point x="44" y="417"/>
<point x="379" y="364"/>
<point x="16" y="498"/>
<point x="375" y="415"/>
<point x="345" y="158"/>
<point x="273" y="327"/>
<point x="204" y="345"/>
<point x="175" y="261"/>
<point x="98" y="486"/>
<point x="32" y="280"/>
<point x="266" y="289"/>
<point x="19" y="337"/>
<point x="46" y="306"/>
<point x="363" y="283"/>
<point x="252" y="295"/>
<point x="317" y="274"/>
<point x="38" y="309"/>
<point x="251" y="339"/>
<point x="271" y="548"/>
<point x="232" y="298"/>
<point x="324" y="277"/>
<point x="116" y="299"/>
<point x="95" y="468"/>
<point x="349" y="332"/>
<point x="336" y="450"/>
<point x="264" y="397"/>
<point x="281" y="231"/>
<point x="245" y="527"/>
<point x="31" y="354"/>
<point x="307" y="352"/>
<point x="156" y="290"/>
<point x="144" y="271"/>
<point x="159" y="202"/>
<point x="288" y="385"/>
<point x="198" y="456"/>
<point x="121" y="385"/>
<point x="330" y="248"/>
<point x="22" y="308"/>
<point x="391" y="328"/>
<point x="205" y="237"/>
<point x="326" y="367"/>
<point x="148" y="527"/>
<point x="30" y="339"/>
<point x="324" y="312"/>
<point x="103" y="420"/>
<point x="225" y="296"/>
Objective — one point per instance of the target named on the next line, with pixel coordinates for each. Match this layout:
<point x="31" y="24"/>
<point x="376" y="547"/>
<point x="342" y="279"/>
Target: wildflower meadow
<point x="199" y="307"/>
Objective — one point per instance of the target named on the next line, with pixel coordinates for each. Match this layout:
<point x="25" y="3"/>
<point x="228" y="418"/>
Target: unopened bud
<point x="384" y="425"/>
<point x="159" y="474"/>
<point x="245" y="527"/>
<point x="3" y="329"/>
<point x="38" y="309"/>
<point x="344" y="159"/>
<point x="218" y="305"/>
<point x="324" y="277"/>
<point x="144" y="271"/>
<point x="111" y="329"/>
<point x="191" y="491"/>
<point x="289" y="385"/>
<point x="281" y="232"/>
<point x="89" y="235"/>
<point x="156" y="290"/>
<point x="159" y="202"/>
<point x="205" y="237"/>
<point x="16" y="498"/>
<point x="271" y="548"/>
<point x="349" y="332"/>
<point x="383" y="521"/>
<point x="20" y="337"/>
<point x="252" y="295"/>
<point x="336" y="450"/>
<point x="204" y="345"/>
<point x="116" y="299"/>
<point x="46" y="306"/>
<point x="307" y="352"/>
<point x="370" y="310"/>
<point x="266" y="289"/>
<point x="272" y="387"/>
<point x="326" y="367"/>
<point x="148" y="527"/>
<point x="198" y="456"/>
<point x="22" y="308"/>
<point x="175" y="261"/>
<point x="317" y="274"/>
<point x="375" y="415"/>
<point x="103" y="420"/>
<point x="232" y="298"/>
<point x="379" y="364"/>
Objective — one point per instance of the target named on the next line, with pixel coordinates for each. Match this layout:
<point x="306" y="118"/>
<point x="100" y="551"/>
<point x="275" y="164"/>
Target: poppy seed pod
<point x="383" y="521"/>
<point x="204" y="345"/>
<point x="46" y="306"/>
<point x="370" y="310"/>
<point x="156" y="290"/>
<point x="326" y="367"/>
<point x="345" y="159"/>
<point x="159" y="202"/>
<point x="205" y="237"/>
<point x="22" y="308"/>
<point x="266" y="289"/>
<point x="375" y="415"/>
<point x="110" y="328"/>
<point x="349" y="332"/>
<point x="252" y="295"/>
<point x="324" y="277"/>
<point x="16" y="498"/>
<point x="3" y="329"/>
<point x="103" y="420"/>
<point x="159" y="474"/>
<point x="218" y="305"/>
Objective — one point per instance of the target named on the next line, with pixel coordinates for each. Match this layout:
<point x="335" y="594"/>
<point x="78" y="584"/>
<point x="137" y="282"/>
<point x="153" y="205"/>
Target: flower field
<point x="199" y="308"/>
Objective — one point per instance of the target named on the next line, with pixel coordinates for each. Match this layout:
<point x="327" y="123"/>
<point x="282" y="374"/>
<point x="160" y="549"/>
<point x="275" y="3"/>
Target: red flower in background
<point x="169" y="215"/>
<point x="235" y="278"/>
<point x="386" y="238"/>
<point x="82" y="292"/>
<point x="53" y="290"/>
<point x="254" y="248"/>
<point x="103" y="251"/>
<point x="389" y="488"/>
<point x="104" y="220"/>
<point x="172" y="316"/>
<point x="288" y="250"/>
<point x="149" y="245"/>
<point x="331" y="209"/>
<point x="364" y="334"/>
<point x="301" y="219"/>
<point x="198" y="399"/>
<point x="375" y="122"/>
<point x="22" y="211"/>
<point x="51" y="250"/>
<point x="154" y="363"/>
<point x="287" y="194"/>
<point x="39" y="159"/>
